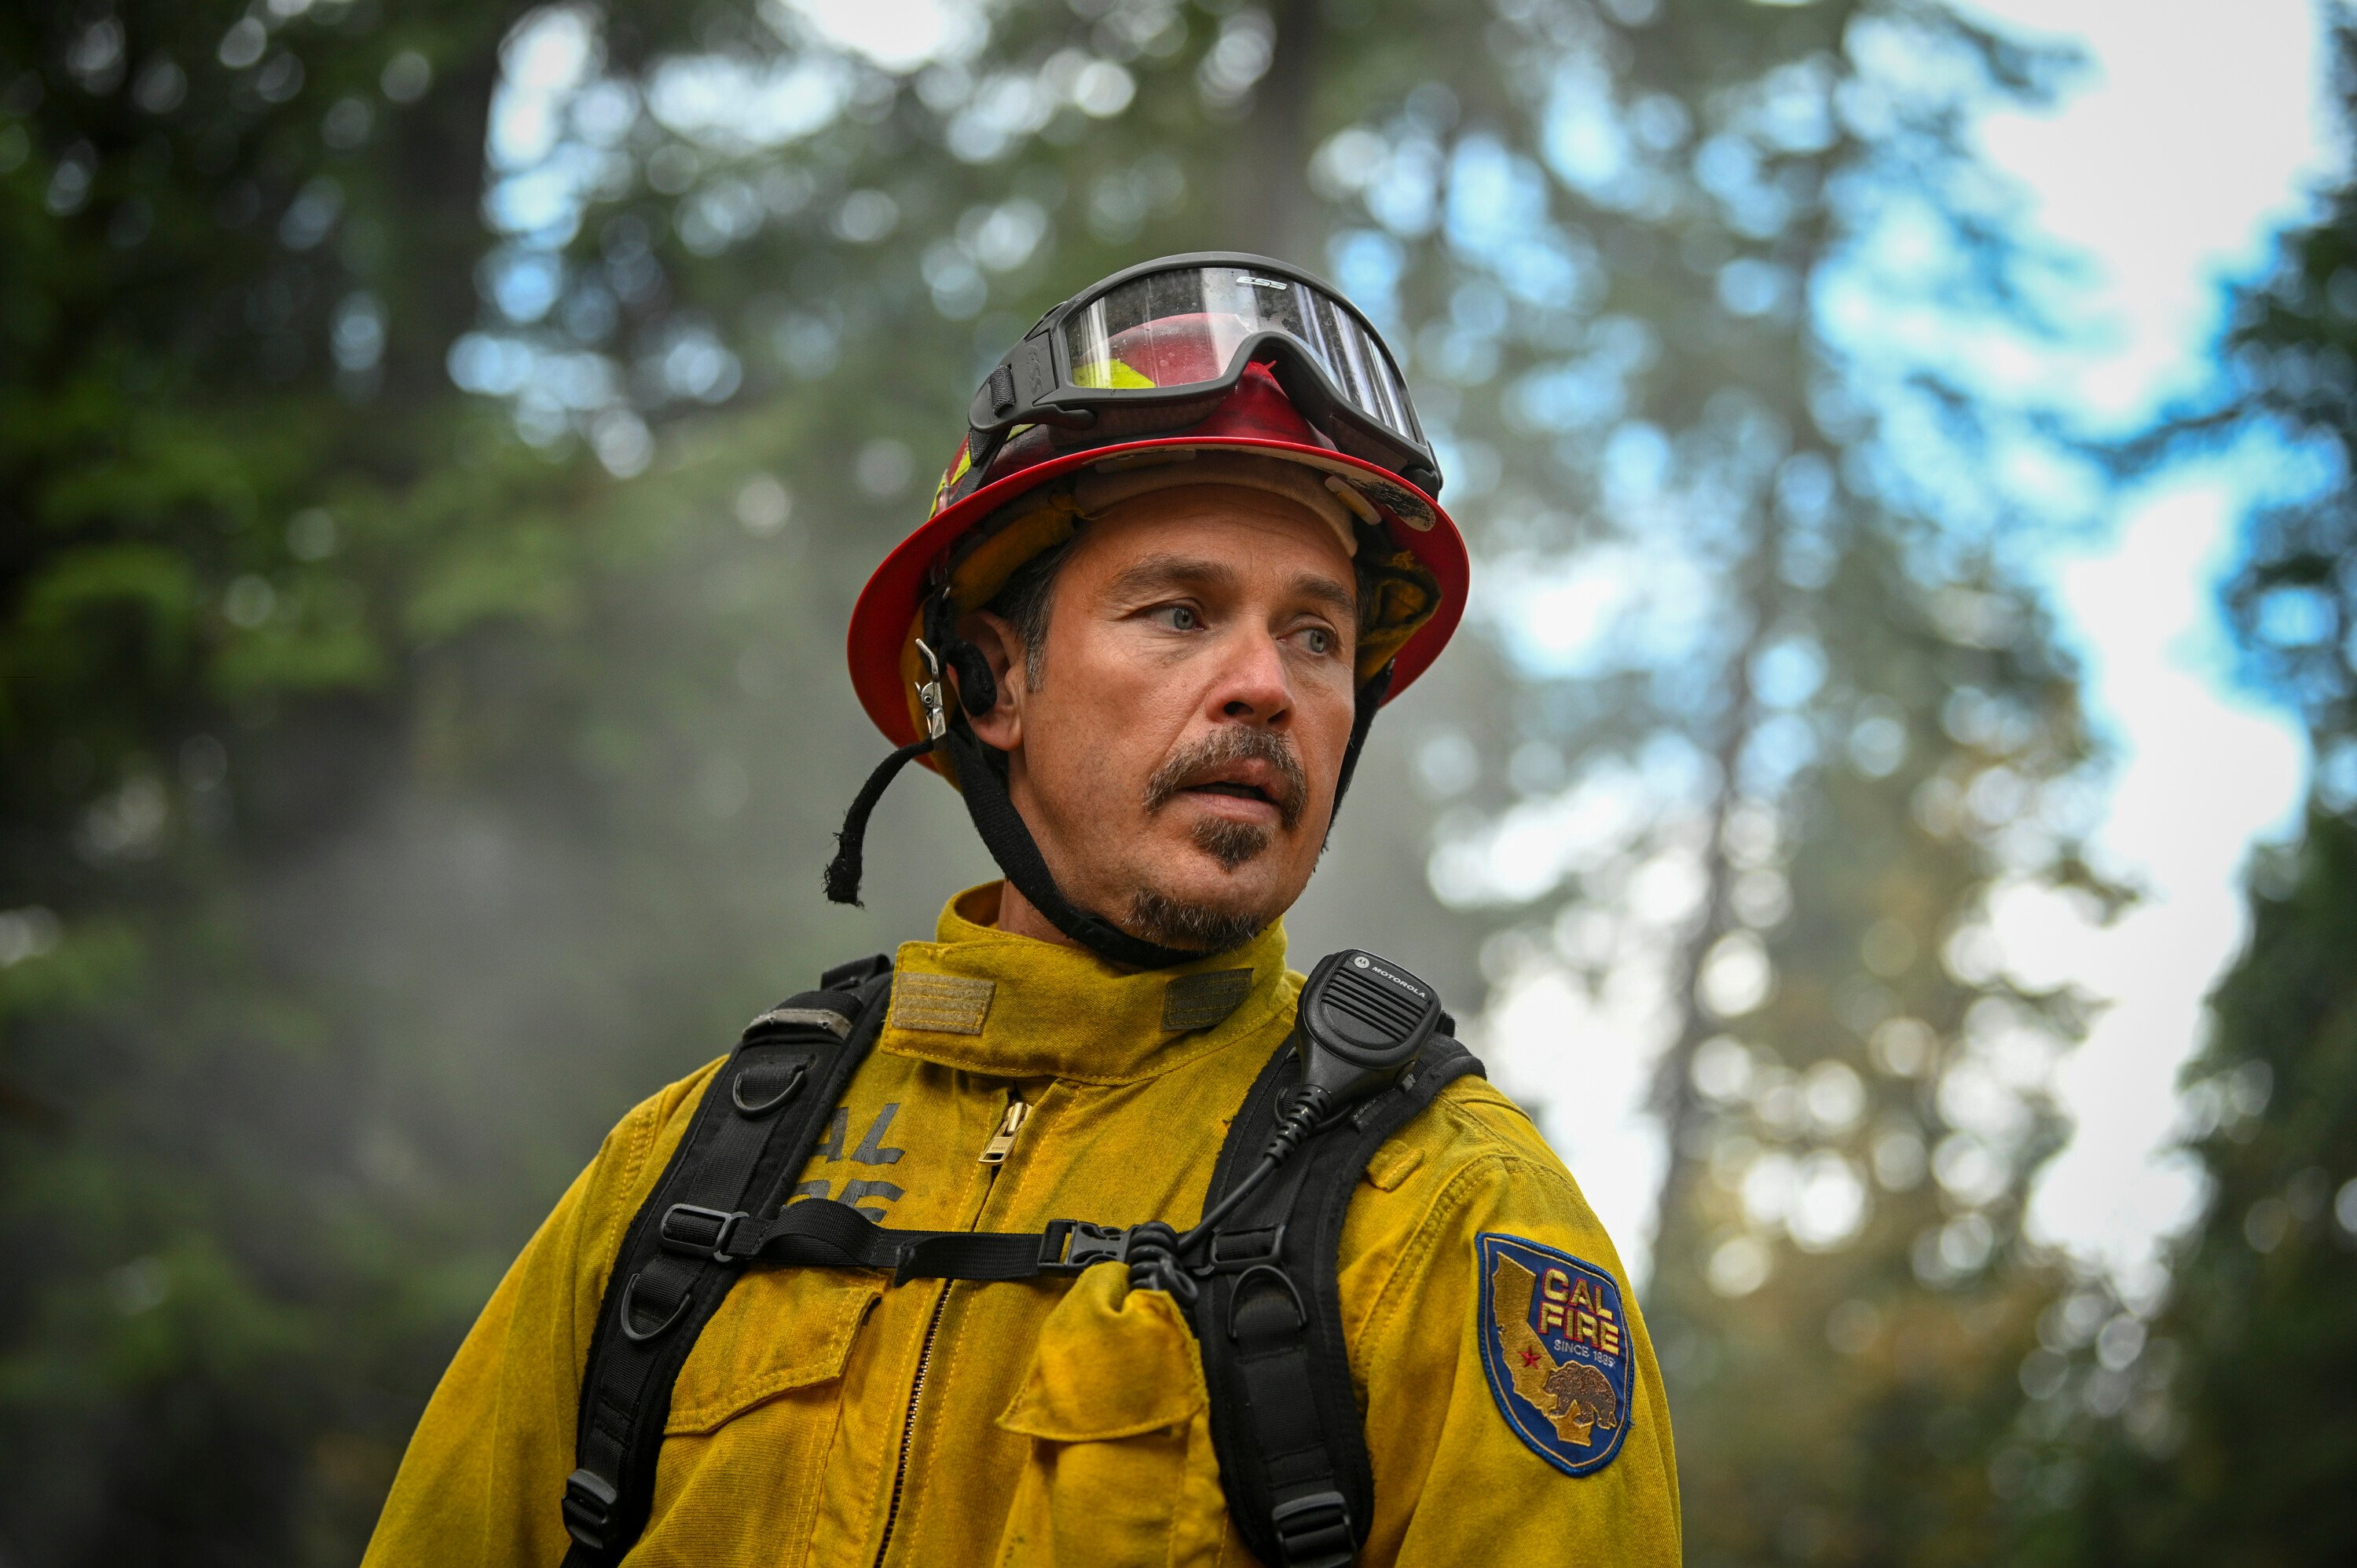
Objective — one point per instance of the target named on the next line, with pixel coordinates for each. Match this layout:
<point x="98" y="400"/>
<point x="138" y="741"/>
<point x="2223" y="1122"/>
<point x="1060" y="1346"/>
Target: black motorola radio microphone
<point x="1361" y="1024"/>
<point x="1363" y="1021"/>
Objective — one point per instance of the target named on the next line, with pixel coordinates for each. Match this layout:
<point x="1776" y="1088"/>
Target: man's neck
<point x="1017" y="915"/>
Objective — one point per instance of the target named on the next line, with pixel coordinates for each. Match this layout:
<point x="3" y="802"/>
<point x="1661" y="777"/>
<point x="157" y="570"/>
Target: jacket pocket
<point x="779" y="1329"/>
<point x="1120" y="1465"/>
<point x="754" y="1412"/>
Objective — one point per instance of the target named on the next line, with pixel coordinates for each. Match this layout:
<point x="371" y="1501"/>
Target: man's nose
<point x="1252" y="685"/>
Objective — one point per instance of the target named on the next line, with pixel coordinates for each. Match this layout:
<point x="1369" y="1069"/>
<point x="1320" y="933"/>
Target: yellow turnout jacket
<point x="826" y="1417"/>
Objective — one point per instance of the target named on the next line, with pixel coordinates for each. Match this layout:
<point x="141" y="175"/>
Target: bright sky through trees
<point x="2170" y="190"/>
<point x="2195" y="129"/>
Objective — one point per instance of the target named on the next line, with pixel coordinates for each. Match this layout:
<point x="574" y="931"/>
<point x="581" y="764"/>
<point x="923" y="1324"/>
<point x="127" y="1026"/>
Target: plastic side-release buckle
<point x="700" y="1232"/>
<point x="1314" y="1531"/>
<point x="1067" y="1246"/>
<point x="589" y="1501"/>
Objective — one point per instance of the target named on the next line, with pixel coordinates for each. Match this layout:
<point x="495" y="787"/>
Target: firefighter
<point x="1187" y="548"/>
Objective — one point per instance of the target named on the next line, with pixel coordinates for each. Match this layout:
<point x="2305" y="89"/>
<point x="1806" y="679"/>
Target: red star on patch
<point x="1530" y="1358"/>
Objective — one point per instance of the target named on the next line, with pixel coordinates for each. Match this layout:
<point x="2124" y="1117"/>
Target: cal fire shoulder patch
<point x="1555" y="1342"/>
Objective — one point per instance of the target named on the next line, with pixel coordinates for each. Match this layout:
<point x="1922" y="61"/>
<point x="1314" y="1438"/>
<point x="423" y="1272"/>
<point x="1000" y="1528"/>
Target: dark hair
<point x="1023" y="600"/>
<point x="1022" y="603"/>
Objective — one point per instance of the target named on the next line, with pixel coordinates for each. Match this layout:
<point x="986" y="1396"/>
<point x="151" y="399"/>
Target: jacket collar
<point x="988" y="1001"/>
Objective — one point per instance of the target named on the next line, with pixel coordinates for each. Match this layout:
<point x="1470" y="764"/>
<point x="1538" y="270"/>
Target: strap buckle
<point x="1088" y="1244"/>
<point x="1314" y="1531"/>
<point x="700" y="1232"/>
<point x="589" y="1501"/>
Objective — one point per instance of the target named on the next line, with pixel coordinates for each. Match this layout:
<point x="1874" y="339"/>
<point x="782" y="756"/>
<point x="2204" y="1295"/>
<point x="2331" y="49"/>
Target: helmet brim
<point x="887" y="605"/>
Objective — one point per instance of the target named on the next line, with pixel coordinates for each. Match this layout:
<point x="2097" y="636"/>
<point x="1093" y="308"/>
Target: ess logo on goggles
<point x="1156" y="348"/>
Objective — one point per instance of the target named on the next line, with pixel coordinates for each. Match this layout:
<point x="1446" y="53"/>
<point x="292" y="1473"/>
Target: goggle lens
<point x="1183" y="327"/>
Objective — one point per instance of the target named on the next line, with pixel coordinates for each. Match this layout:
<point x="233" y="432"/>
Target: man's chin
<point x="1205" y="886"/>
<point x="1204" y="926"/>
<point x="1209" y="905"/>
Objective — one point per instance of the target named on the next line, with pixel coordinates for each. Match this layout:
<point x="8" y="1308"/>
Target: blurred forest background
<point x="439" y="444"/>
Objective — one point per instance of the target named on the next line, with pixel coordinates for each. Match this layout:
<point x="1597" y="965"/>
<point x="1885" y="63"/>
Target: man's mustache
<point x="1233" y="743"/>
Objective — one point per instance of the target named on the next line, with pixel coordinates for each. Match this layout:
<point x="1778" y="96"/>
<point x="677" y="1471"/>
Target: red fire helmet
<point x="984" y="525"/>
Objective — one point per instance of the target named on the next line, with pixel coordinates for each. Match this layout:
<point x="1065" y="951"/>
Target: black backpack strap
<point x="754" y="1130"/>
<point x="1285" y="1416"/>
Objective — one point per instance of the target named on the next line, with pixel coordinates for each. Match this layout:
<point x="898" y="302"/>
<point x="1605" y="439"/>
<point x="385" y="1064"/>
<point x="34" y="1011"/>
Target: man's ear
<point x="1001" y="726"/>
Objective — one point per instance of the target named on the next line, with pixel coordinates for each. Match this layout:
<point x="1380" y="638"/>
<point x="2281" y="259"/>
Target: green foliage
<point x="2257" y="1440"/>
<point x="254" y="566"/>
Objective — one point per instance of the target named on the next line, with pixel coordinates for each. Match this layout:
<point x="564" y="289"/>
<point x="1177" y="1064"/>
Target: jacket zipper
<point x="994" y="1155"/>
<point x="908" y="1423"/>
<point x="1001" y="1142"/>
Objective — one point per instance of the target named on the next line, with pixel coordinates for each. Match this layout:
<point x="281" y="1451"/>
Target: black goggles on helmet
<point x="1157" y="347"/>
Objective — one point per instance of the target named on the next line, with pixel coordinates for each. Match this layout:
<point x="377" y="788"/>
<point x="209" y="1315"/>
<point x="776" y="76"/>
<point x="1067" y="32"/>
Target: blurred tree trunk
<point x="1269" y="207"/>
<point x="1687" y="1119"/>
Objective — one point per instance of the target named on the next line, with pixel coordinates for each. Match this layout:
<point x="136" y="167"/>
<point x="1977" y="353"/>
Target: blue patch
<point x="1555" y="1342"/>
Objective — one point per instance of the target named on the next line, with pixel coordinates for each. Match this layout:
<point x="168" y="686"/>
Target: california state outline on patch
<point x="1555" y="1342"/>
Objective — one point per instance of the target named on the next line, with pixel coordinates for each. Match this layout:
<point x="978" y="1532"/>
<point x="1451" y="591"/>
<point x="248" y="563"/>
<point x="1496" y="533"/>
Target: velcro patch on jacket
<point x="941" y="1004"/>
<point x="1555" y="1342"/>
<point x="1201" y="1001"/>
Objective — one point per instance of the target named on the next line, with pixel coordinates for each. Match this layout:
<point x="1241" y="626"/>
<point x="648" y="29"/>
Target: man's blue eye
<point x="1182" y="618"/>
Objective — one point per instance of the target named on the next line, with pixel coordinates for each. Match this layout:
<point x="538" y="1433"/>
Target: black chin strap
<point x="1370" y="697"/>
<point x="849" y="864"/>
<point x="1009" y="839"/>
<point x="982" y="781"/>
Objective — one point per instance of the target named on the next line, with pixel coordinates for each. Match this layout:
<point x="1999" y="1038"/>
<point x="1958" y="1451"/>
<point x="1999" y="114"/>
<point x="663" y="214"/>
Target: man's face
<point x="1176" y="761"/>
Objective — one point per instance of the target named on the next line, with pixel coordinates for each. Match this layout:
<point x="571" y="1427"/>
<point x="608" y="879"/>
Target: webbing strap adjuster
<point x="1233" y="1251"/>
<point x="700" y="1232"/>
<point x="1314" y="1530"/>
<point x="589" y="1501"/>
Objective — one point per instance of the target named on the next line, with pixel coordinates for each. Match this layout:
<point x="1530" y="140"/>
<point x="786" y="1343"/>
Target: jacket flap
<point x="1111" y="1362"/>
<point x="779" y="1329"/>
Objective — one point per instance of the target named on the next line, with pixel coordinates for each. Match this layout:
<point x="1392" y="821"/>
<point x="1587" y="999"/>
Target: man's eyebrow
<point x="1324" y="590"/>
<point x="1160" y="574"/>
